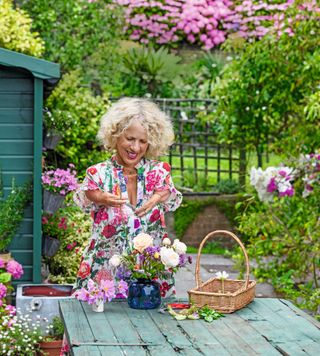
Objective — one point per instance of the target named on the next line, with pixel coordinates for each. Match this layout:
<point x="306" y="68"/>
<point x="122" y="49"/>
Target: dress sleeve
<point x="92" y="181"/>
<point x="164" y="182"/>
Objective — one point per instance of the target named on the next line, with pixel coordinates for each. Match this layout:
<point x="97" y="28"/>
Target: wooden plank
<point x="123" y="329"/>
<point x="101" y="328"/>
<point x="301" y="313"/>
<point x="24" y="257"/>
<point x="16" y="85"/>
<point x="16" y="115"/>
<point x="19" y="177"/>
<point x="234" y="344"/>
<point x="149" y="332"/>
<point x="87" y="351"/>
<point x="16" y="147"/>
<point x="16" y="100"/>
<point x="308" y="331"/>
<point x="75" y="321"/>
<point x="22" y="242"/>
<point x="173" y="333"/>
<point x="274" y="329"/>
<point x="16" y="163"/>
<point x="8" y="72"/>
<point x="247" y="333"/>
<point x="202" y="338"/>
<point x="16" y="131"/>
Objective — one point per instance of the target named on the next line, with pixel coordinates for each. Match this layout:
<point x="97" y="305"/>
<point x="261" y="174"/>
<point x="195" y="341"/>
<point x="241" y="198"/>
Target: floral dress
<point x="114" y="228"/>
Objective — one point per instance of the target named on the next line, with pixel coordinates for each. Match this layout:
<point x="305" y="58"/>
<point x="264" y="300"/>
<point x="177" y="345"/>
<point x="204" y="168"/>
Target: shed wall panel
<point x="17" y="152"/>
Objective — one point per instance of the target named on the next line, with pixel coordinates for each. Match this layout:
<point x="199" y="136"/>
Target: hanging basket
<point x="224" y="296"/>
<point x="50" y="246"/>
<point x="51" y="139"/>
<point x="51" y="201"/>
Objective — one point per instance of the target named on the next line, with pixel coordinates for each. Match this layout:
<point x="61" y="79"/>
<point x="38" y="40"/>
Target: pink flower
<point x="3" y="290"/>
<point x="108" y="289"/>
<point x="14" y="268"/>
<point x="2" y="264"/>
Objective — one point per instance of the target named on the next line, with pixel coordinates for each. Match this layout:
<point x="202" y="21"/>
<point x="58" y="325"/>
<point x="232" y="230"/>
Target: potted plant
<point x="57" y="183"/>
<point x="11" y="214"/>
<point x="52" y="343"/>
<point x="54" y="228"/>
<point x="144" y="264"/>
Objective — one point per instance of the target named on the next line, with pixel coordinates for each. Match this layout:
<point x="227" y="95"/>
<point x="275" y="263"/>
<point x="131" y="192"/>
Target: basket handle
<point x="225" y="233"/>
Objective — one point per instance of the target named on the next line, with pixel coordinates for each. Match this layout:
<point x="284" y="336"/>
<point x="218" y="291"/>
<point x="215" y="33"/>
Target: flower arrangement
<point x="104" y="291"/>
<point x="60" y="181"/>
<point x="144" y="260"/>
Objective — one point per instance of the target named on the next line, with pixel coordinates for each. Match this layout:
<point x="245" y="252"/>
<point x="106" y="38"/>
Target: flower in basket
<point x="222" y="276"/>
<point x="60" y="181"/>
<point x="101" y="292"/>
<point x="144" y="260"/>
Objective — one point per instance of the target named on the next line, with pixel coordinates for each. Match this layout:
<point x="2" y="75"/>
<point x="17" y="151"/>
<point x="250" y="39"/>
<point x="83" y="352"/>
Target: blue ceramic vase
<point x="144" y="294"/>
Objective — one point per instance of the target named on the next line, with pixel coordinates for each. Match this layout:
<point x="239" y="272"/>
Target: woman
<point x="130" y="192"/>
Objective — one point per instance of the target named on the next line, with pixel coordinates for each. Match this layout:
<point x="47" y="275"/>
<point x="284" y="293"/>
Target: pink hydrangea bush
<point x="206" y="23"/>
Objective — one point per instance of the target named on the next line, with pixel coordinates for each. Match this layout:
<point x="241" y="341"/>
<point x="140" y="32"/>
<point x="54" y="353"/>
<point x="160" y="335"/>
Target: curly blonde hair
<point x="120" y="116"/>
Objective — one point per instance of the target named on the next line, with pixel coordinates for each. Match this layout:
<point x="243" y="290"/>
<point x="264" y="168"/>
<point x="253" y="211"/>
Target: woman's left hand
<point x="158" y="197"/>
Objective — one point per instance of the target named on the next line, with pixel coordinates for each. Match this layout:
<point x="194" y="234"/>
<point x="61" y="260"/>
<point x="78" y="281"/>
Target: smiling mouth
<point x="132" y="155"/>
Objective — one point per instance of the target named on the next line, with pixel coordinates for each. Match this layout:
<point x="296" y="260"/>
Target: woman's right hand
<point x="105" y="199"/>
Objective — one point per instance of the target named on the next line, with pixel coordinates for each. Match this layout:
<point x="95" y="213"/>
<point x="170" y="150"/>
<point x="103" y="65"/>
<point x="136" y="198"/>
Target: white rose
<point x="142" y="241"/>
<point x="115" y="261"/>
<point x="169" y="257"/>
<point x="166" y="242"/>
<point x="179" y="246"/>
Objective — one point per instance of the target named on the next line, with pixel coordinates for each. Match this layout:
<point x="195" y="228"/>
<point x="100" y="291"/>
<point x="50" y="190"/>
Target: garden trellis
<point x="196" y="154"/>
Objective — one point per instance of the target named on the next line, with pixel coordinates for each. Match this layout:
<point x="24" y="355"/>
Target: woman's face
<point x="132" y="145"/>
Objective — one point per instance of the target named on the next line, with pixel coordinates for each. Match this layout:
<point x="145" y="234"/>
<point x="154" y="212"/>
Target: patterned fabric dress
<point x="114" y="228"/>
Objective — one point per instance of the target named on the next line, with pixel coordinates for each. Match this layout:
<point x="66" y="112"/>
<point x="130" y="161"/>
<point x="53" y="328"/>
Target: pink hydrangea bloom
<point x="15" y="269"/>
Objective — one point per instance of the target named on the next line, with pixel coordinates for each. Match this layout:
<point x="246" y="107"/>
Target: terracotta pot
<point x="51" y="348"/>
<point x="6" y="256"/>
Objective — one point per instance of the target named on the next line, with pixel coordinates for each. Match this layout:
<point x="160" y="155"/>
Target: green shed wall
<point x="17" y="154"/>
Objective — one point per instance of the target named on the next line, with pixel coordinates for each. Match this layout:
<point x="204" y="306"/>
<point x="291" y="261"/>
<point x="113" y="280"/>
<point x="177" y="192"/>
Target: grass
<point x="188" y="180"/>
<point x="214" y="248"/>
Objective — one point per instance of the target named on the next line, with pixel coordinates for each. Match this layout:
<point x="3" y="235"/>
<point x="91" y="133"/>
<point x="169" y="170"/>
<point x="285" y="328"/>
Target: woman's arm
<point x="157" y="197"/>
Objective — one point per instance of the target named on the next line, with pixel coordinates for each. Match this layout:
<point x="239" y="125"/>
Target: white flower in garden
<point x="166" y="241"/>
<point x="169" y="257"/>
<point x="179" y="246"/>
<point x="222" y="275"/>
<point x="142" y="241"/>
<point x="115" y="261"/>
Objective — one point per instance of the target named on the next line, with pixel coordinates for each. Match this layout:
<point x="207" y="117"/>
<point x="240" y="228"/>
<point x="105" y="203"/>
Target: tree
<point x="262" y="93"/>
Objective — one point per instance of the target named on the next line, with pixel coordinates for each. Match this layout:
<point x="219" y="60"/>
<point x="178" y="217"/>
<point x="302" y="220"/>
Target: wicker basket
<point x="236" y="293"/>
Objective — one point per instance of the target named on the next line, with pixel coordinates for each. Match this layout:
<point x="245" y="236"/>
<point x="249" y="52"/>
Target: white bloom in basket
<point x="169" y="257"/>
<point x="179" y="246"/>
<point x="166" y="241"/>
<point x="222" y="275"/>
<point x="115" y="261"/>
<point x="142" y="241"/>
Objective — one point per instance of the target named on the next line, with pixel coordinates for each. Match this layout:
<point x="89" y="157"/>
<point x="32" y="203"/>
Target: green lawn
<point x="204" y="184"/>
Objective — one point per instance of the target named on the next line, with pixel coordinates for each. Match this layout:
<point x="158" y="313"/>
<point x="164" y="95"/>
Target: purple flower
<point x="272" y="186"/>
<point x="122" y="287"/>
<point x="108" y="289"/>
<point x="183" y="259"/>
<point x="14" y="268"/>
<point x="123" y="273"/>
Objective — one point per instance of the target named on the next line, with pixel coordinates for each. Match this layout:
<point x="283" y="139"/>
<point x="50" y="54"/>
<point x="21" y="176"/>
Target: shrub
<point x="73" y="29"/>
<point x="15" y="31"/>
<point x="74" y="100"/>
<point x="283" y="230"/>
<point x="65" y="264"/>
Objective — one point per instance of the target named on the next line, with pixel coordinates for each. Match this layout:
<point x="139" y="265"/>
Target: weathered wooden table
<point x="265" y="327"/>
